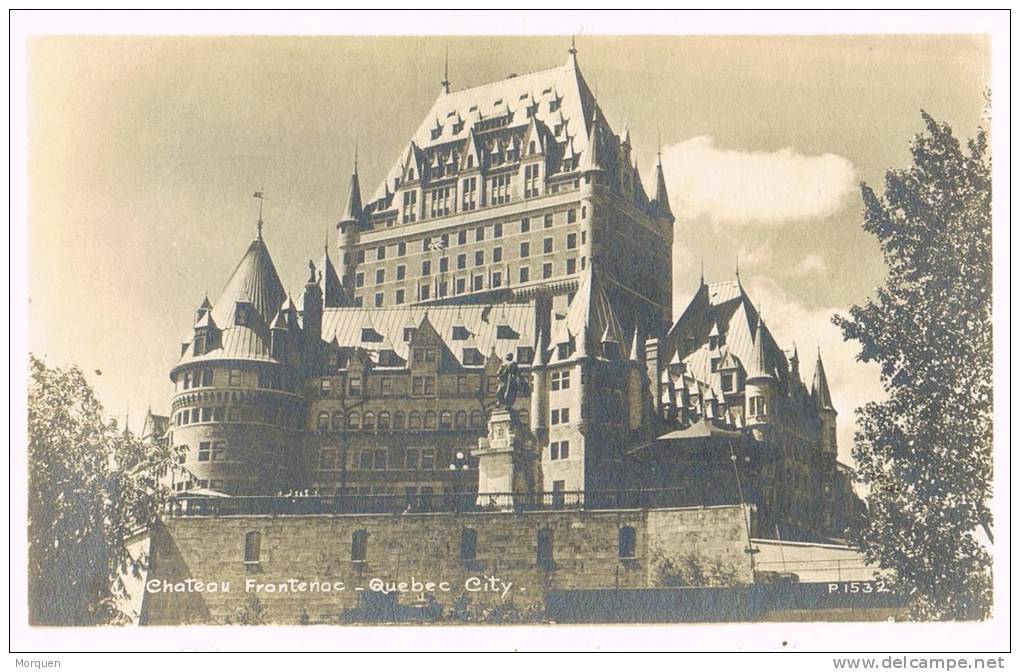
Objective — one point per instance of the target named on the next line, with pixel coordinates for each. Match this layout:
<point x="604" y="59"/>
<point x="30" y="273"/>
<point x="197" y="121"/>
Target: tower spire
<point x="446" y="71"/>
<point x="573" y="46"/>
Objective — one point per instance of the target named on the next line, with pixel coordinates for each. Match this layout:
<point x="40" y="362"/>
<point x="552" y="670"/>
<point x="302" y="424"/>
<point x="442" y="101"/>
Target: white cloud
<point x="851" y="383"/>
<point x="753" y="188"/>
<point x="812" y="263"/>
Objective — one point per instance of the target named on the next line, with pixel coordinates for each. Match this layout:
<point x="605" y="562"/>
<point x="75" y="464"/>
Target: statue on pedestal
<point x="512" y="383"/>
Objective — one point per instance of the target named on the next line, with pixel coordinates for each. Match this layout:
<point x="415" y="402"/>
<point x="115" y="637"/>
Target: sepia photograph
<point x="413" y="337"/>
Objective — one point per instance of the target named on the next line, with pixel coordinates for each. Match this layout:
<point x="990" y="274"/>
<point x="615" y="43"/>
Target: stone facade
<point x="591" y="549"/>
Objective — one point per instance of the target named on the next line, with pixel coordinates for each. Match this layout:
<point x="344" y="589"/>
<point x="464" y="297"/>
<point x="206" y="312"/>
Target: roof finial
<point x="446" y="71"/>
<point x="702" y="269"/>
<point x="261" y="195"/>
<point x="658" y="145"/>
<point x="573" y="46"/>
<point x="738" y="266"/>
<point x="355" y="154"/>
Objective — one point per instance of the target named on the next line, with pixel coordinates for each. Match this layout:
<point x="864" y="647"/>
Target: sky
<point x="144" y="153"/>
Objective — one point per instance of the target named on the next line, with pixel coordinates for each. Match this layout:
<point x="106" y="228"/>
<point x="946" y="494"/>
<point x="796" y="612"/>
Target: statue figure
<point x="512" y="383"/>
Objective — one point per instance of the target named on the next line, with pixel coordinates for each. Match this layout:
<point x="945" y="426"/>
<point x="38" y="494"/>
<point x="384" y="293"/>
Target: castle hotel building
<point x="515" y="224"/>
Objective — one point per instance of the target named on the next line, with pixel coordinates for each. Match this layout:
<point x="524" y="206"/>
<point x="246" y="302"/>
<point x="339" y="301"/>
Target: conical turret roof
<point x="820" y="388"/>
<point x="332" y="289"/>
<point x="757" y="369"/>
<point x="589" y="313"/>
<point x="352" y="212"/>
<point x="254" y="281"/>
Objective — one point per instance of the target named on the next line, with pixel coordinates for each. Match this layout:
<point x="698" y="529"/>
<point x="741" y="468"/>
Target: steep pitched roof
<point x="332" y="290"/>
<point x="552" y="94"/>
<point x="502" y="327"/>
<point x="589" y="316"/>
<point x="727" y="306"/>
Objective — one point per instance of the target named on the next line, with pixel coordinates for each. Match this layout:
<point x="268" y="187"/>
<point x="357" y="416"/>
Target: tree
<point x="925" y="454"/>
<point x="91" y="487"/>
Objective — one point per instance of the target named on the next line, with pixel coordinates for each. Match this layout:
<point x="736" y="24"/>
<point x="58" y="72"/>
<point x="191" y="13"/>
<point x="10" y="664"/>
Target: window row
<point x="266" y="415"/>
<point x="384" y="420"/>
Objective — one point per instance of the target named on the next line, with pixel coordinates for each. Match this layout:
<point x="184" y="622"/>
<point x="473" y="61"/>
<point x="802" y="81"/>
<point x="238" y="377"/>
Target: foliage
<point x="925" y="454"/>
<point x="692" y="569"/>
<point x="464" y="611"/>
<point x="254" y="612"/>
<point x="91" y="487"/>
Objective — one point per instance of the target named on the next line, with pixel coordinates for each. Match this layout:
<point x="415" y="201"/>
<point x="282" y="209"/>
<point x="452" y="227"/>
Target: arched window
<point x="414" y="420"/>
<point x="430" y="419"/>
<point x="252" y="548"/>
<point x="369" y="420"/>
<point x="359" y="545"/>
<point x="531" y="147"/>
<point x="323" y="422"/>
<point x="445" y="420"/>
<point x="628" y="542"/>
<point x="477" y="419"/>
<point x="468" y="544"/>
<point x="398" y="420"/>
<point x="384" y="420"/>
<point x="460" y="421"/>
<point x="353" y="420"/>
<point x="338" y="420"/>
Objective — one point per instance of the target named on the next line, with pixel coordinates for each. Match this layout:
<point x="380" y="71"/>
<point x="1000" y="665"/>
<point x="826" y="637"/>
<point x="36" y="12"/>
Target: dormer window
<point x="727" y="382"/>
<point x="713" y="342"/>
<point x="242" y="317"/>
<point x="472" y="357"/>
<point x="715" y="363"/>
<point x="460" y="333"/>
<point x="408" y="334"/>
<point x="525" y="354"/>
<point x="505" y="331"/>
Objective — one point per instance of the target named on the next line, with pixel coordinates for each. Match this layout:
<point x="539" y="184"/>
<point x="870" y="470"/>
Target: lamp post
<point x="740" y="493"/>
<point x="460" y="465"/>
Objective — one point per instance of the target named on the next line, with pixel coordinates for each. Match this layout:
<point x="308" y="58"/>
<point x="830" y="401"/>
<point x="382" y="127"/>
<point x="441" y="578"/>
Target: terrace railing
<point x="302" y="505"/>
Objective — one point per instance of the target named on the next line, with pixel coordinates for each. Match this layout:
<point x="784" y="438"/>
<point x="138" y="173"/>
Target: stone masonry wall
<point x="421" y="547"/>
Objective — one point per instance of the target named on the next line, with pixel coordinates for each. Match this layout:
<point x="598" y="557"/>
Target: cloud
<point x="735" y="187"/>
<point x="851" y="383"/>
<point x="812" y="263"/>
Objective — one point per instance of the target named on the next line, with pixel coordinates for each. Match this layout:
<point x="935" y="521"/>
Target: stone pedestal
<point x="504" y="468"/>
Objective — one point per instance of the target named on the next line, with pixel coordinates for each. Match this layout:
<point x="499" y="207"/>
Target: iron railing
<point x="425" y="503"/>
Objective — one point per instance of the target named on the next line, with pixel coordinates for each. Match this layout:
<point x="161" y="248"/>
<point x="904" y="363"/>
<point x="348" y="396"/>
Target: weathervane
<point x="260" y="194"/>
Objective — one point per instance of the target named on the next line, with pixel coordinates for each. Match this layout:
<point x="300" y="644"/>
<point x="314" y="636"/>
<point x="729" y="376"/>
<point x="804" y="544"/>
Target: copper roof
<point x="500" y="327"/>
<point x="591" y="313"/>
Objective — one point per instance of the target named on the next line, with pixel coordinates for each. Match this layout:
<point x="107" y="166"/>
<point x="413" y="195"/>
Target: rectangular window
<point x="426" y="267"/>
<point x="400" y="297"/>
<point x="469" y="189"/>
<point x="571" y="216"/>
<point x="479" y="257"/>
<point x="401" y="272"/>
<point x="560" y="380"/>
<point x="401" y="248"/>
<point x="460" y="286"/>
<point x="497" y="255"/>
<point x="379" y="458"/>
<point x="571" y="266"/>
<point x="544" y="551"/>
<point x="476" y="283"/>
<point x="500" y="190"/>
<point x="547" y="245"/>
<point x="359" y="546"/>
<point x="411" y="459"/>
<point x="409" y="212"/>
<point x="531" y="180"/>
<point x="547" y="270"/>
<point x="428" y="458"/>
<point x="479" y="234"/>
<point x="727" y="382"/>
<point x="547" y="221"/>
<point x="461" y="261"/>
<point x="525" y="250"/>
<point x="571" y="240"/>
<point x="462" y="237"/>
<point x="235" y="377"/>
<point x="525" y="274"/>
<point x="444" y="264"/>
<point x="497" y="230"/>
<point x="380" y="253"/>
<point x="354" y="386"/>
<point x="380" y="276"/>
<point x="461" y="384"/>
<point x="203" y="451"/>
<point x="359" y="280"/>
<point x="379" y="299"/>
<point x="497" y="279"/>
<point x="525" y="225"/>
<point x="423" y="292"/>
<point x="715" y="364"/>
